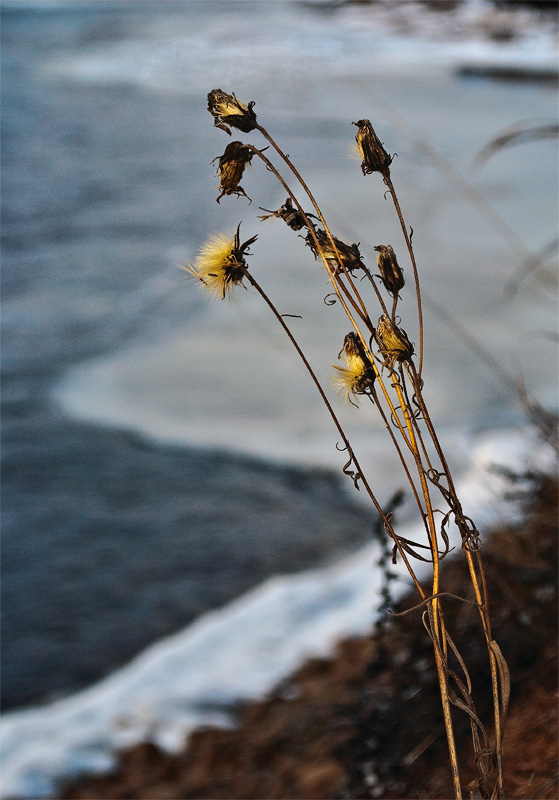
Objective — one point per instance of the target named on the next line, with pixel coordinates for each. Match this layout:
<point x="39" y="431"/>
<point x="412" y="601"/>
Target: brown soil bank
<point x="367" y="723"/>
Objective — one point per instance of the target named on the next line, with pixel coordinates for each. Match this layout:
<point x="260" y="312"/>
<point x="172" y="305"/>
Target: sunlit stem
<point x="445" y="699"/>
<point x="481" y="598"/>
<point x="396" y="444"/>
<point x="479" y="591"/>
<point x="436" y="611"/>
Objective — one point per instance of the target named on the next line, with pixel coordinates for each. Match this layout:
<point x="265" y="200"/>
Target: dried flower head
<point x="375" y="158"/>
<point x="291" y="216"/>
<point x="231" y="167"/>
<point x="221" y="264"/>
<point x="334" y="251"/>
<point x="358" y="375"/>
<point x="391" y="273"/>
<point x="228" y="111"/>
<point x="393" y="341"/>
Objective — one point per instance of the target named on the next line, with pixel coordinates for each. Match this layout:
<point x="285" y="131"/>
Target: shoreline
<point x="336" y="728"/>
<point x="238" y="653"/>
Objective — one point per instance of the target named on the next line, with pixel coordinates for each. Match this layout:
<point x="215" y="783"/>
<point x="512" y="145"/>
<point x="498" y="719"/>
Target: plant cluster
<point x="380" y="364"/>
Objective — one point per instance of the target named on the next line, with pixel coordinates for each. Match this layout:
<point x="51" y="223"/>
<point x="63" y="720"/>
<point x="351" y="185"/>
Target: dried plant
<point x="380" y="363"/>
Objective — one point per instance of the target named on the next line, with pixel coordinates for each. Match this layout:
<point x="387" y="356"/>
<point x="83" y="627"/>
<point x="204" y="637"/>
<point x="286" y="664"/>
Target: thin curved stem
<point x="388" y="182"/>
<point x="374" y="397"/>
<point x="435" y="607"/>
<point x="319" y="213"/>
<point x="479" y="591"/>
<point x="361" y="312"/>
<point x="360" y="474"/>
<point x="365" y="317"/>
<point x="376" y="289"/>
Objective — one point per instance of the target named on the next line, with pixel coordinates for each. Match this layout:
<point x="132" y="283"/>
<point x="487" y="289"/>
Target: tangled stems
<point x="435" y="615"/>
<point x="358" y="475"/>
<point x="339" y="287"/>
<point x="399" y="401"/>
<point x="410" y="428"/>
<point x="359" y="307"/>
<point x="499" y="671"/>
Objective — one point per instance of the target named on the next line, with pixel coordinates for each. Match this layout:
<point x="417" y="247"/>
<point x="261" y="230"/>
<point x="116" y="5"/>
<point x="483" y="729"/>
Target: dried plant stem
<point x="479" y="591"/>
<point x="436" y="617"/>
<point x="402" y="408"/>
<point x="309" y="194"/>
<point x="335" y="282"/>
<point x="377" y="291"/>
<point x="407" y="237"/>
<point x="498" y="712"/>
<point x="374" y="398"/>
<point x="361" y="311"/>
<point x="359" y="475"/>
<point x="410" y="438"/>
<point x="464" y="186"/>
<point x="443" y="685"/>
<point x="394" y="304"/>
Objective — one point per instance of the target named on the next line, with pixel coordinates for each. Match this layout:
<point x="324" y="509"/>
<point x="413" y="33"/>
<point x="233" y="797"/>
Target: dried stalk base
<point x="368" y="723"/>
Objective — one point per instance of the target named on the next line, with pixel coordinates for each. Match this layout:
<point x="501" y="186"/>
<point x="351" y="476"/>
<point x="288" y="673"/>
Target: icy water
<point x="111" y="541"/>
<point x="137" y="495"/>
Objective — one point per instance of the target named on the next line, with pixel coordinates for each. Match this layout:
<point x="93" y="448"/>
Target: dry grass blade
<point x="520" y="133"/>
<point x="380" y="362"/>
<point x="504" y="678"/>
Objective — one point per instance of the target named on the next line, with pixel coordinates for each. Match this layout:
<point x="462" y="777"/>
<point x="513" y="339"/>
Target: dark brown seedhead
<point x="353" y="346"/>
<point x="391" y="273"/>
<point x="338" y="254"/>
<point x="375" y="158"/>
<point x="393" y="341"/>
<point x="290" y="215"/>
<point x="241" y="250"/>
<point x="228" y="111"/>
<point x="234" y="264"/>
<point x="231" y="167"/>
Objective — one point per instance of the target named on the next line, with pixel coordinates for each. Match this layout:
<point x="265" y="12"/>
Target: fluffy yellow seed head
<point x="354" y="378"/>
<point x="221" y="264"/>
<point x="216" y="266"/>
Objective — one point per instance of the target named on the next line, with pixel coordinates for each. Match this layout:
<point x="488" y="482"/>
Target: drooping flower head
<point x="231" y="167"/>
<point x="220" y="264"/>
<point x="390" y="271"/>
<point x="375" y="158"/>
<point x="291" y="216"/>
<point x="228" y="111"/>
<point x="393" y="341"/>
<point x="358" y="375"/>
<point x="335" y="251"/>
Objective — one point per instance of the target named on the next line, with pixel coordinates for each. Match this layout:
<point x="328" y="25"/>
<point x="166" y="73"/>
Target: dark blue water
<point x="111" y="541"/>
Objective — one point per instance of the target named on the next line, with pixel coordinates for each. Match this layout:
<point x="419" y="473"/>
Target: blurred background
<point x="162" y="453"/>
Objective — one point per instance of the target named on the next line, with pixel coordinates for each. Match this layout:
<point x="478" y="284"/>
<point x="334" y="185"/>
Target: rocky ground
<point x="367" y="723"/>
